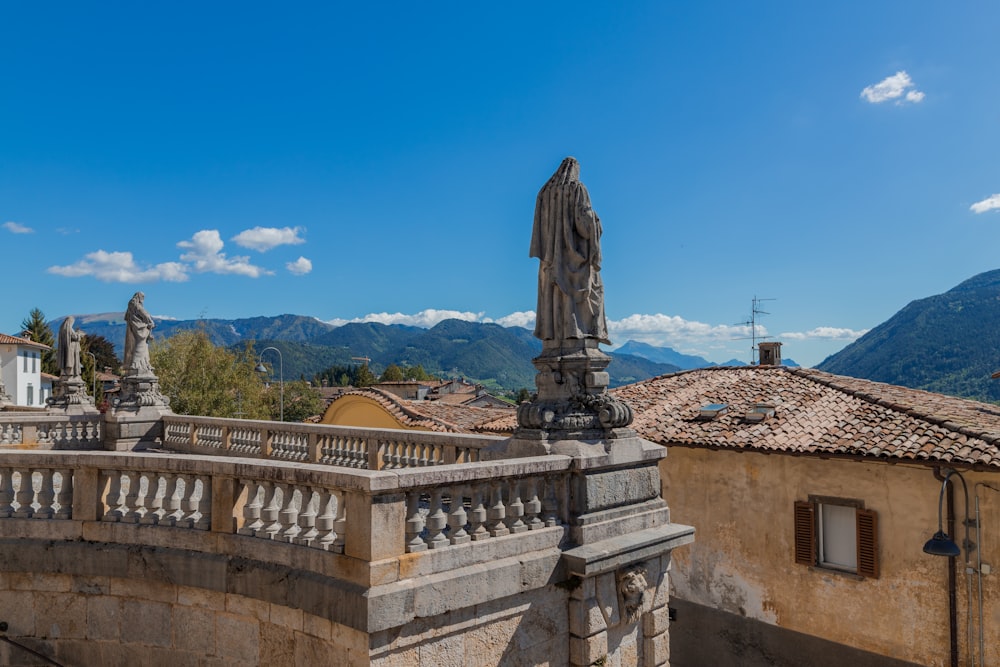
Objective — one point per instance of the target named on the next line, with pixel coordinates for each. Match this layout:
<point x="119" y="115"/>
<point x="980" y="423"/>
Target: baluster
<point x="436" y="522"/>
<point x="457" y="517"/>
<point x="533" y="507"/>
<point x="6" y="492"/>
<point x="252" y="508"/>
<point x="289" y="515"/>
<point x="307" y="518"/>
<point x="324" y="522"/>
<point x="477" y="516"/>
<point x="64" y="497"/>
<point x="203" y="506"/>
<point x="340" y="524"/>
<point x="25" y="495"/>
<point x="414" y="523"/>
<point x="515" y="509"/>
<point x="112" y="501"/>
<point x="154" y="500"/>
<point x="496" y="512"/>
<point x="270" y="515"/>
<point x="133" y="511"/>
<point x="421" y="452"/>
<point x="550" y="504"/>
<point x="172" y="512"/>
<point x="46" y="494"/>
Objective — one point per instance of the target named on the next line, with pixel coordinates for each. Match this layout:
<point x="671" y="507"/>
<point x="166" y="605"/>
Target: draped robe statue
<point x="69" y="349"/>
<point x="139" y="326"/>
<point x="566" y="238"/>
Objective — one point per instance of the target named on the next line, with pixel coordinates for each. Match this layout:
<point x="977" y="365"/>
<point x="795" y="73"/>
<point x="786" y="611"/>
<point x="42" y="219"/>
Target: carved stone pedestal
<point x="136" y="421"/>
<point x="70" y="396"/>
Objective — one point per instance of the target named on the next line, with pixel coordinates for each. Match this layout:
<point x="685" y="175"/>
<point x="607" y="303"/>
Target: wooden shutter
<point x="805" y="533"/>
<point x="867" y="522"/>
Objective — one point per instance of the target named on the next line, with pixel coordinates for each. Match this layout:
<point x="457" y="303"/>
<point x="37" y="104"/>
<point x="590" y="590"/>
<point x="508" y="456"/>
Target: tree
<point x="522" y="395"/>
<point x="39" y="331"/>
<point x="104" y="355"/>
<point x="364" y="377"/>
<point x="417" y="373"/>
<point x="392" y="373"/>
<point x="203" y="379"/>
<point x="301" y="401"/>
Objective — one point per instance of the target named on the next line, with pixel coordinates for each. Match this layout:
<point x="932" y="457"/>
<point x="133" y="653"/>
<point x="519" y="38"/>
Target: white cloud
<point x="523" y="318"/>
<point x="299" y="267"/>
<point x="676" y="329"/>
<point x="120" y="267"/>
<point x="425" y="318"/>
<point x="991" y="203"/>
<point x="896" y="87"/>
<point x="265" y="238"/>
<point x="824" y="333"/>
<point x="205" y="256"/>
<point x="17" y="228"/>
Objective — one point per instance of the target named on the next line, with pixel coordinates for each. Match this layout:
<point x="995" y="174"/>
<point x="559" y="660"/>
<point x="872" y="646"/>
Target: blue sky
<point x="381" y="161"/>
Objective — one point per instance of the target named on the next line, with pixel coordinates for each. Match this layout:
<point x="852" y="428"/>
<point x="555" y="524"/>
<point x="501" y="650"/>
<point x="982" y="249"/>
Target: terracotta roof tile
<point x="815" y="413"/>
<point x="438" y="416"/>
<point x="14" y="340"/>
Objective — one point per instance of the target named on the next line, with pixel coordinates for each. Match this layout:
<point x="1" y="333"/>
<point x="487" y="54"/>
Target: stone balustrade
<point x="350" y="447"/>
<point x="366" y="514"/>
<point x="50" y="431"/>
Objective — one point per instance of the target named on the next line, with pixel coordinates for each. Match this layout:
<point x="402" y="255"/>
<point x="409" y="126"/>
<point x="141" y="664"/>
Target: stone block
<point x="607" y="598"/>
<point x="545" y="617"/>
<point x="61" y="615"/>
<point x="144" y="590"/>
<point x="39" y="582"/>
<point x="585" y="589"/>
<point x="615" y="488"/>
<point x="444" y="652"/>
<point x="661" y="596"/>
<point x="287" y="617"/>
<point x="312" y="651"/>
<point x="491" y="643"/>
<point x="147" y="623"/>
<point x="656" y="621"/>
<point x="656" y="650"/>
<point x="19" y="612"/>
<point x="199" y="597"/>
<point x="237" y="638"/>
<point x="90" y="585"/>
<point x="354" y="640"/>
<point x="585" y="618"/>
<point x="104" y="617"/>
<point x="277" y="646"/>
<point x="194" y="630"/>
<point x="317" y="626"/>
<point x="251" y="608"/>
<point x="588" y="650"/>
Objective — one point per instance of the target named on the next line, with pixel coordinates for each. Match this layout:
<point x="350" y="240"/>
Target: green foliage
<point x="365" y="378"/>
<point x="202" y="379"/>
<point x="104" y="352"/>
<point x="392" y="373"/>
<point x="522" y="395"/>
<point x="39" y="331"/>
<point x="301" y="401"/>
<point x="417" y="373"/>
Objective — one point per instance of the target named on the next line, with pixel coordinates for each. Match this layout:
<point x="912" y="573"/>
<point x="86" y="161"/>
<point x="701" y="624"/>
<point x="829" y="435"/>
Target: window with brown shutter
<point x="805" y="533"/>
<point x="867" y="521"/>
<point x="837" y="534"/>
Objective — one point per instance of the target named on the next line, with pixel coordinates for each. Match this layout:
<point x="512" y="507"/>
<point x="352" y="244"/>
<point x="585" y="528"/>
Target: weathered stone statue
<point x="69" y="349"/>
<point x="566" y="238"/>
<point x="140" y="386"/>
<point x="139" y="325"/>
<point x="572" y="412"/>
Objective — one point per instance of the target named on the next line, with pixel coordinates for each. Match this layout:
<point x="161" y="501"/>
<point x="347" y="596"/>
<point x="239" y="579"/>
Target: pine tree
<point x="39" y="331"/>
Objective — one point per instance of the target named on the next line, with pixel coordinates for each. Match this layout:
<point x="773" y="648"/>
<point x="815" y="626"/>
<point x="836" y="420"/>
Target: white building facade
<point x="21" y="372"/>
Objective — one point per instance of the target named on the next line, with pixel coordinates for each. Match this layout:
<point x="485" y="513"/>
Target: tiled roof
<point x="816" y="413"/>
<point x="14" y="340"/>
<point x="434" y="415"/>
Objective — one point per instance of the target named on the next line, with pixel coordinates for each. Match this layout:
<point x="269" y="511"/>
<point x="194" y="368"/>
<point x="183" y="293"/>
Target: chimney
<point x="770" y="354"/>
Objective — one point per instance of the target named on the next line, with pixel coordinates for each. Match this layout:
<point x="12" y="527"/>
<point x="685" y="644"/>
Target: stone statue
<point x="566" y="238"/>
<point x="139" y="325"/>
<point x="69" y="349"/>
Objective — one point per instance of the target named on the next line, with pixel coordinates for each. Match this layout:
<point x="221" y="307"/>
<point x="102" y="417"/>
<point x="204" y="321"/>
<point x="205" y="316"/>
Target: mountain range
<point x="947" y="343"/>
<point x="499" y="357"/>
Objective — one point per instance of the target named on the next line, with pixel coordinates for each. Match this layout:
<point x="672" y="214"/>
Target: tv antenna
<point x="755" y="312"/>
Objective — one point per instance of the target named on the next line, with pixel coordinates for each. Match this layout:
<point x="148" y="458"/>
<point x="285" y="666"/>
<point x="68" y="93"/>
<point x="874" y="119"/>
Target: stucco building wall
<point x="743" y="561"/>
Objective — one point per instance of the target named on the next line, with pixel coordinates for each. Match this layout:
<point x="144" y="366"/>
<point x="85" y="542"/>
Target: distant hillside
<point x="667" y="355"/>
<point x="497" y="356"/>
<point x="949" y="343"/>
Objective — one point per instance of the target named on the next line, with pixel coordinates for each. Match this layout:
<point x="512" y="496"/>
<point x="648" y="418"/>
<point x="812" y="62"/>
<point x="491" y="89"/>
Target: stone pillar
<point x="69" y="395"/>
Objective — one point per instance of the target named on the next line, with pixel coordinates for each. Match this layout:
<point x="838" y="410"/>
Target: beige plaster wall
<point x="743" y="562"/>
<point x="360" y="411"/>
<point x="97" y="620"/>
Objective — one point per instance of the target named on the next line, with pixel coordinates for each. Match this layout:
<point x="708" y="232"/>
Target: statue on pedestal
<point x="69" y="349"/>
<point x="69" y="392"/>
<point x="139" y="325"/>
<point x="572" y="402"/>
